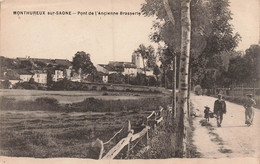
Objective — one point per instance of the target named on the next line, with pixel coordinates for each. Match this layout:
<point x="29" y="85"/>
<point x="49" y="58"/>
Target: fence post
<point x="100" y="142"/>
<point x="129" y="144"/>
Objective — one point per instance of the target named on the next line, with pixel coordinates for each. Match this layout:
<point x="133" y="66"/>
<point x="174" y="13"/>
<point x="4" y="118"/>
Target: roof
<point x="46" y="61"/>
<point x="38" y="71"/>
<point x="107" y="67"/>
<point x="129" y="65"/>
<point x="102" y="73"/>
<point x="63" y="62"/>
<point x="23" y="72"/>
<point x="9" y="77"/>
<point x="21" y="59"/>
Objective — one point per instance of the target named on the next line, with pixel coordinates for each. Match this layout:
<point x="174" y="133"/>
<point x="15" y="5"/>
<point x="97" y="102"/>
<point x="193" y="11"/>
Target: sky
<point x="105" y="38"/>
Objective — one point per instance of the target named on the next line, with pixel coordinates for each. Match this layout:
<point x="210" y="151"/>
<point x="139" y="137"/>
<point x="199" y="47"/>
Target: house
<point x="58" y="75"/>
<point x="67" y="73"/>
<point x="76" y="77"/>
<point x="148" y="71"/>
<point x="103" y="77"/>
<point x="22" y="74"/>
<point x="40" y="76"/>
<point x="126" y="68"/>
<point x="107" y="69"/>
<point x="12" y="79"/>
<point x="130" y="69"/>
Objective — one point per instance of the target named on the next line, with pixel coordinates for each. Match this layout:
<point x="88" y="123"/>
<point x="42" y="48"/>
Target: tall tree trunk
<point x="174" y="86"/>
<point x="165" y="79"/>
<point x="181" y="119"/>
<point x="189" y="89"/>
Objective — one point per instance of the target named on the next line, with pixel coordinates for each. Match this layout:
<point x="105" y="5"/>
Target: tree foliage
<point x="82" y="61"/>
<point x="244" y="69"/>
<point x="211" y="32"/>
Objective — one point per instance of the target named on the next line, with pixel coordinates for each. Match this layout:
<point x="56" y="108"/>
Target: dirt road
<point x="233" y="139"/>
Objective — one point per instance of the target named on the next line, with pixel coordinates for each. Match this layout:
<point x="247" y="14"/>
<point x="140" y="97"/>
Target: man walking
<point x="219" y="109"/>
<point x="249" y="112"/>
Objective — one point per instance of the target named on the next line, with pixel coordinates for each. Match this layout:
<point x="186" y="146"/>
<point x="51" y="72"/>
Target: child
<point x="206" y="113"/>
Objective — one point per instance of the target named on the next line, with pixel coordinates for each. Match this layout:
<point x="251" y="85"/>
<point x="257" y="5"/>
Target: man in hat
<point x="219" y="109"/>
<point x="249" y="112"/>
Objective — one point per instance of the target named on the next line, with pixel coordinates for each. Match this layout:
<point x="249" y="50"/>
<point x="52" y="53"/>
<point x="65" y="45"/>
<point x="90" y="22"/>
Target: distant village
<point x="43" y="71"/>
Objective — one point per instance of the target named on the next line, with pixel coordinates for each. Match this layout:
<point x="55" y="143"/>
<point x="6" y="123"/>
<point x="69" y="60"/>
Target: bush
<point x="43" y="103"/>
<point x="47" y="100"/>
<point x="97" y="105"/>
<point x="105" y="94"/>
<point x="5" y="84"/>
<point x="28" y="85"/>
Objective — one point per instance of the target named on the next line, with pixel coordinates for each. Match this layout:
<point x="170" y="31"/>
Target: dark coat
<point x="220" y="106"/>
<point x="206" y="113"/>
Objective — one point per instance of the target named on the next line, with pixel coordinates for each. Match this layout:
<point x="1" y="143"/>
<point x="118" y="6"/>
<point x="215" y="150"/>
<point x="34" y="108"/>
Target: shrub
<point x="28" y="85"/>
<point x="47" y="100"/>
<point x="105" y="94"/>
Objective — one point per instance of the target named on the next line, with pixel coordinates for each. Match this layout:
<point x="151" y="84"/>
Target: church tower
<point x="136" y="59"/>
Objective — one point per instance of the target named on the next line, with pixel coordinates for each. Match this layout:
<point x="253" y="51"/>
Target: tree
<point x="5" y="84"/>
<point x="31" y="81"/>
<point x="182" y="112"/>
<point x="253" y="57"/>
<point x="221" y="39"/>
<point x="81" y="61"/>
<point x="152" y="81"/>
<point x="211" y="32"/>
<point x="156" y="72"/>
<point x="116" y="78"/>
<point x="243" y="69"/>
<point x="151" y="57"/>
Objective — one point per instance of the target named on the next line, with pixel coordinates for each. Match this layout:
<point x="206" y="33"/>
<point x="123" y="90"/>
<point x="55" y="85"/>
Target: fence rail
<point x="112" y="153"/>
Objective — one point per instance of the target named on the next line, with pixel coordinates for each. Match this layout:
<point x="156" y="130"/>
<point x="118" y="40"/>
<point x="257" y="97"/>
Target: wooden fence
<point x="158" y="118"/>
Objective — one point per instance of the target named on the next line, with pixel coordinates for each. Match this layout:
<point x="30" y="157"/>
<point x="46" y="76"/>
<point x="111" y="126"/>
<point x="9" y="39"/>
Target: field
<point x="55" y="134"/>
<point x="65" y="97"/>
<point x="47" y="133"/>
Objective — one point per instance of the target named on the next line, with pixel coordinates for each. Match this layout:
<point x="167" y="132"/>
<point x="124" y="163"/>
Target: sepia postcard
<point x="122" y="81"/>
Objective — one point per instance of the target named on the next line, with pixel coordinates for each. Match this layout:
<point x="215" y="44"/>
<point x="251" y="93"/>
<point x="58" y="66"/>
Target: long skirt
<point x="249" y="116"/>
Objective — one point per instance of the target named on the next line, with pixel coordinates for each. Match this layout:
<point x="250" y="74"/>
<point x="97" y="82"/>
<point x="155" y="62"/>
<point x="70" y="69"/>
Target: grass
<point x="60" y="135"/>
<point x="89" y="104"/>
<point x="45" y="129"/>
<point x="191" y="148"/>
<point x="65" y="97"/>
<point x="161" y="143"/>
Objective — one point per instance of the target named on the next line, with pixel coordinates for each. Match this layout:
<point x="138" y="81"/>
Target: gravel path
<point x="233" y="139"/>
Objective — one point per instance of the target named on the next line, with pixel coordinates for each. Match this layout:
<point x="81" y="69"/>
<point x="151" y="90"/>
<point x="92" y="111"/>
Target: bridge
<point x="120" y="87"/>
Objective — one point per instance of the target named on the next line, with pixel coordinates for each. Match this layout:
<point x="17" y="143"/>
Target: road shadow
<point x="235" y="126"/>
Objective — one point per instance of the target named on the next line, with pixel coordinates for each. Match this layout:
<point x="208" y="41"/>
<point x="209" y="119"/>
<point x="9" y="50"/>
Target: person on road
<point x="249" y="110"/>
<point x="219" y="109"/>
<point x="206" y="113"/>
